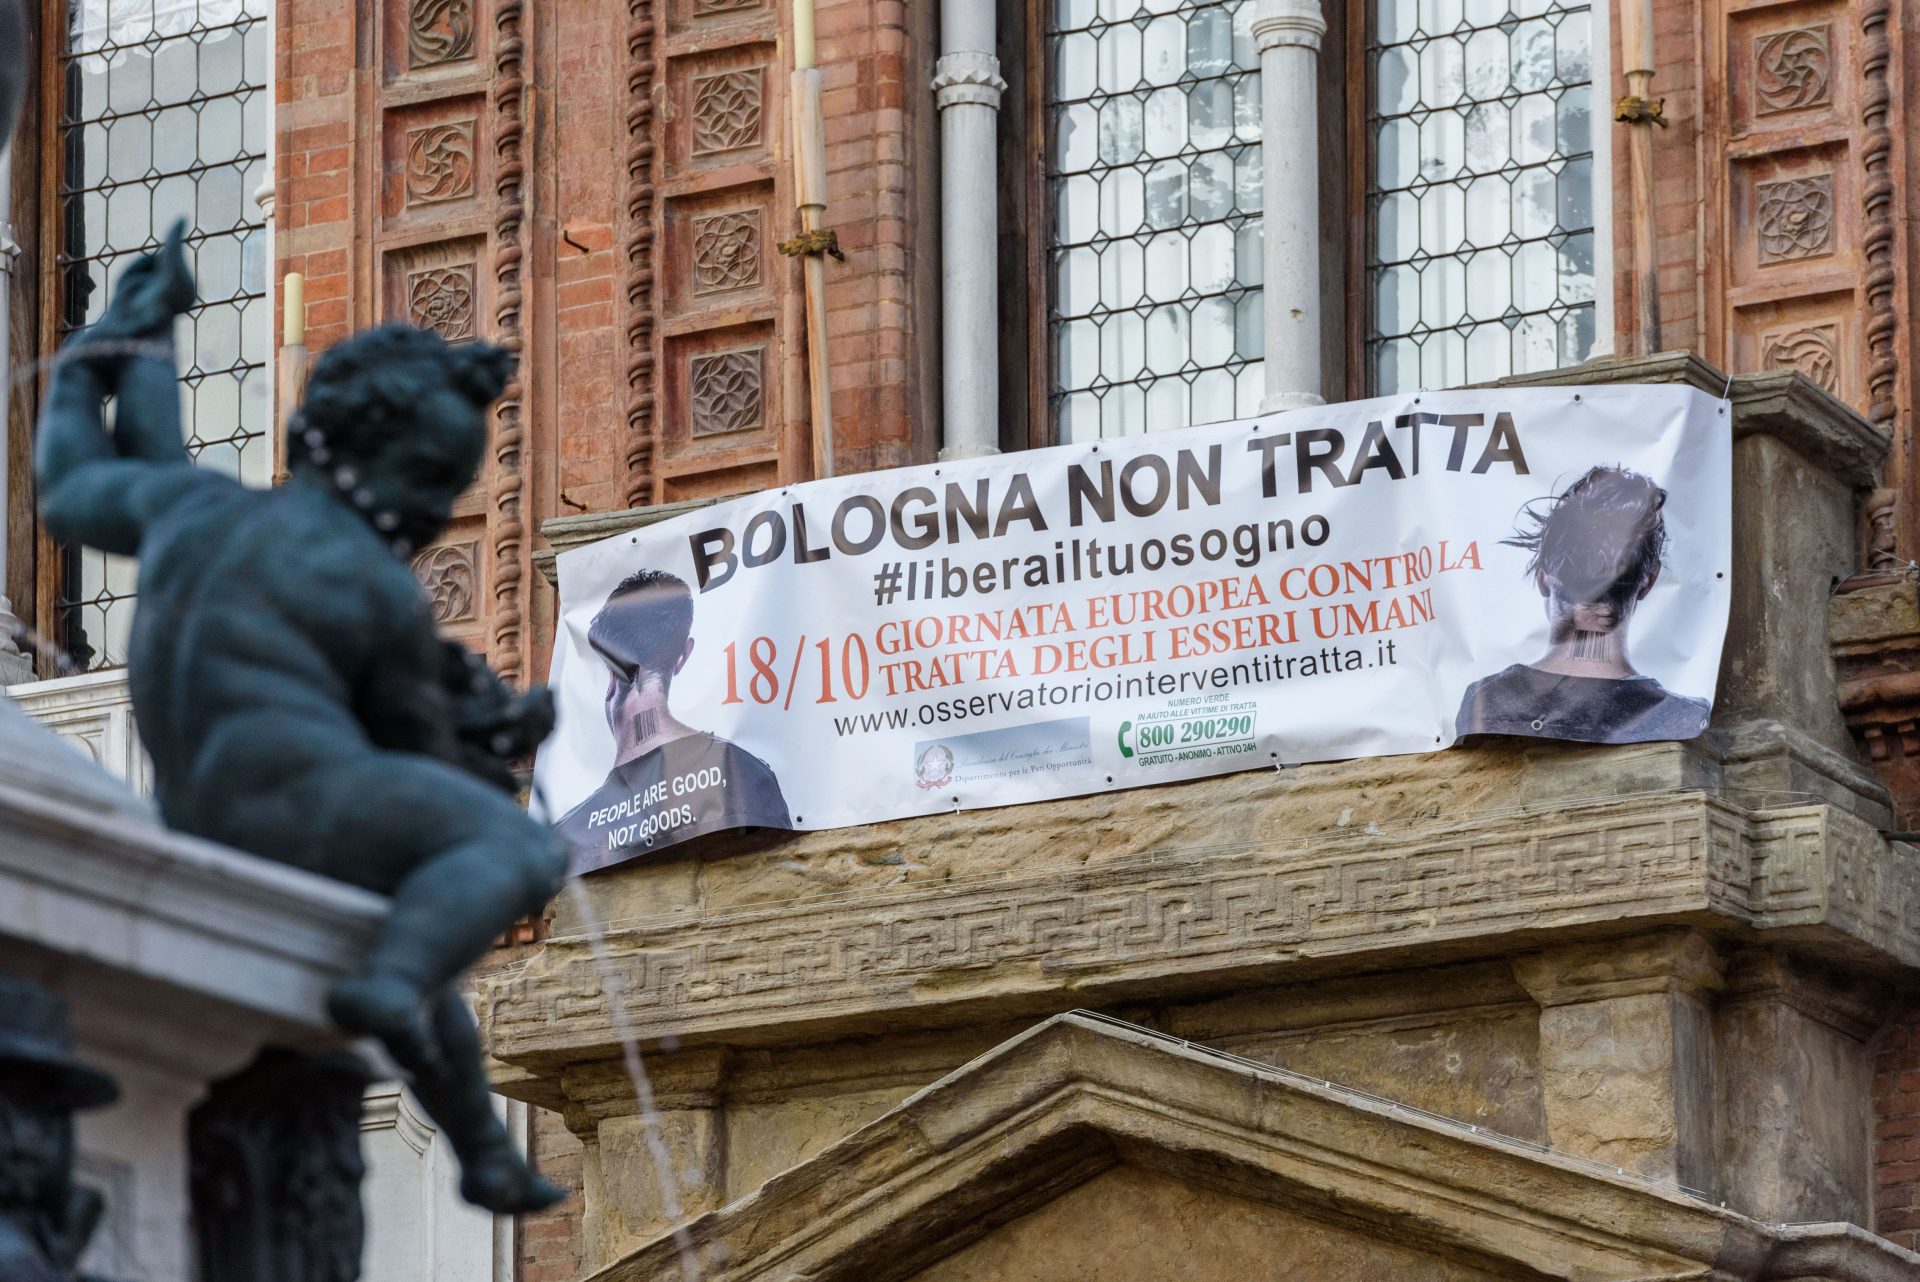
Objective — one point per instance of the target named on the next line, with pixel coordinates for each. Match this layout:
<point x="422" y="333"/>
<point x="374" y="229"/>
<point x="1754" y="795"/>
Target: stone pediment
<point x="1084" y="1137"/>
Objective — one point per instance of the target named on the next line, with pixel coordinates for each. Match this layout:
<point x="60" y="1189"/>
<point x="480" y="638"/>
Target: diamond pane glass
<point x="1480" y="190"/>
<point x="1153" y="168"/>
<point x="163" y="115"/>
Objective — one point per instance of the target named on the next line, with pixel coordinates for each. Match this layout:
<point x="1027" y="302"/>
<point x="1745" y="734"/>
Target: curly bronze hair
<point x="365" y="388"/>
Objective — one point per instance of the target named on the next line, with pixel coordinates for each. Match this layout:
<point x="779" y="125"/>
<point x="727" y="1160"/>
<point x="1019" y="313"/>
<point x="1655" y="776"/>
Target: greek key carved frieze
<point x="440" y="163"/>
<point x="441" y="299"/>
<point x="438" y="32"/>
<point x="727" y="391"/>
<point x="727" y="111"/>
<point x="448" y="574"/>
<point x="1814" y="351"/>
<point x="1795" y="218"/>
<point x="1792" y="70"/>
<point x="726" y="251"/>
<point x="1139" y="920"/>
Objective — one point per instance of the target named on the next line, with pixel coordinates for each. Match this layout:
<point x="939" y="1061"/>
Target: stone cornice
<point x="1068" y="1100"/>
<point x="122" y="895"/>
<point x="1782" y="404"/>
<point x="940" y="954"/>
<point x="1673" y="962"/>
<point x="564" y="533"/>
<point x="1852" y="1007"/>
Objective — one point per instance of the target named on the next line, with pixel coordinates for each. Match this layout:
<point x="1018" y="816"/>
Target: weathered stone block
<point x="1796" y="1093"/>
<point x="1626" y="1052"/>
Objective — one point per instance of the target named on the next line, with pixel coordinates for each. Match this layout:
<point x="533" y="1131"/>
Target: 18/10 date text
<point x="759" y="671"/>
<point x="767" y="673"/>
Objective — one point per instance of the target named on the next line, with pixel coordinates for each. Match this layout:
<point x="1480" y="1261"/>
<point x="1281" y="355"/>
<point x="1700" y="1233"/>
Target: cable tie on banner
<point x="1726" y="393"/>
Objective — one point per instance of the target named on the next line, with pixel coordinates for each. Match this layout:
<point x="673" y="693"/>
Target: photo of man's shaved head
<point x="645" y="626"/>
<point x="668" y="780"/>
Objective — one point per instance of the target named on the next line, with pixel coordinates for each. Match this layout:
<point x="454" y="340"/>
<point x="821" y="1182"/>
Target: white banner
<point x="1355" y="580"/>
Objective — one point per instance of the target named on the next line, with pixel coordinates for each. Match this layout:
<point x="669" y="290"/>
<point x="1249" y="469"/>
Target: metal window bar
<point x="1152" y="113"/>
<point x="163" y="116"/>
<point x="1479" y="211"/>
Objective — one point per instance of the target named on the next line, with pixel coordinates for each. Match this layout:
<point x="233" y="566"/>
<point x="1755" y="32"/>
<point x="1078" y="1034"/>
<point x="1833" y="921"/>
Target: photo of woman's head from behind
<point x="1597" y="549"/>
<point x="1594" y="552"/>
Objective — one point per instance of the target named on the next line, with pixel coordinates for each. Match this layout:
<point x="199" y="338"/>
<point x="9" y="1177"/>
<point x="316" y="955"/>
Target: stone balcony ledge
<point x="1781" y="403"/>
<point x="936" y="953"/>
<point x="179" y="959"/>
<point x="95" y="895"/>
<point x="111" y="892"/>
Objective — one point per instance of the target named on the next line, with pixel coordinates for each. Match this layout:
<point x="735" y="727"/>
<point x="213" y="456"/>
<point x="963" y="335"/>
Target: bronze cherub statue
<point x="286" y="674"/>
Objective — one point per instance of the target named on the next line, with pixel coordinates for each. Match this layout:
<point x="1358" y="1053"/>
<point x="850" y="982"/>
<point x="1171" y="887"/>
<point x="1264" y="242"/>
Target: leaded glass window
<point x="164" y="115"/>
<point x="1153" y="178"/>
<point x="1480" y="190"/>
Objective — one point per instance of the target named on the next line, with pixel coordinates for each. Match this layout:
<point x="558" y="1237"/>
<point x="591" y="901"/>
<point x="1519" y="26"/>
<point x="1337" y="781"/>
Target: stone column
<point x="1626" y="1052"/>
<point x="14" y="666"/>
<point x="967" y="87"/>
<point x="1288" y="33"/>
<point x="1796" y="1091"/>
<point x="625" y="1203"/>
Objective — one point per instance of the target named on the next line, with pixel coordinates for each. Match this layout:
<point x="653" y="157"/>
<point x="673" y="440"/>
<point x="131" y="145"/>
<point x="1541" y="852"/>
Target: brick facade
<point x="614" y="143"/>
<point x="1896" y="1093"/>
<point x="551" y="1245"/>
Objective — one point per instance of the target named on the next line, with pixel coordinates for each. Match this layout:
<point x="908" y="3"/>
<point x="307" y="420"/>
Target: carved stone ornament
<point x="1814" y="351"/>
<point x="276" y="1163"/>
<point x="440" y="163"/>
<point x="1136" y="922"/>
<point x="1883" y="509"/>
<point x="507" y="522"/>
<point x="713" y="8"/>
<point x="441" y="299"/>
<point x="727" y="110"/>
<point x="641" y="407"/>
<point x="1792" y="70"/>
<point x="728" y="391"/>
<point x="1880" y="207"/>
<point x="726" y="252"/>
<point x="439" y="31"/>
<point x="1796" y="218"/>
<point x="448" y="575"/>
